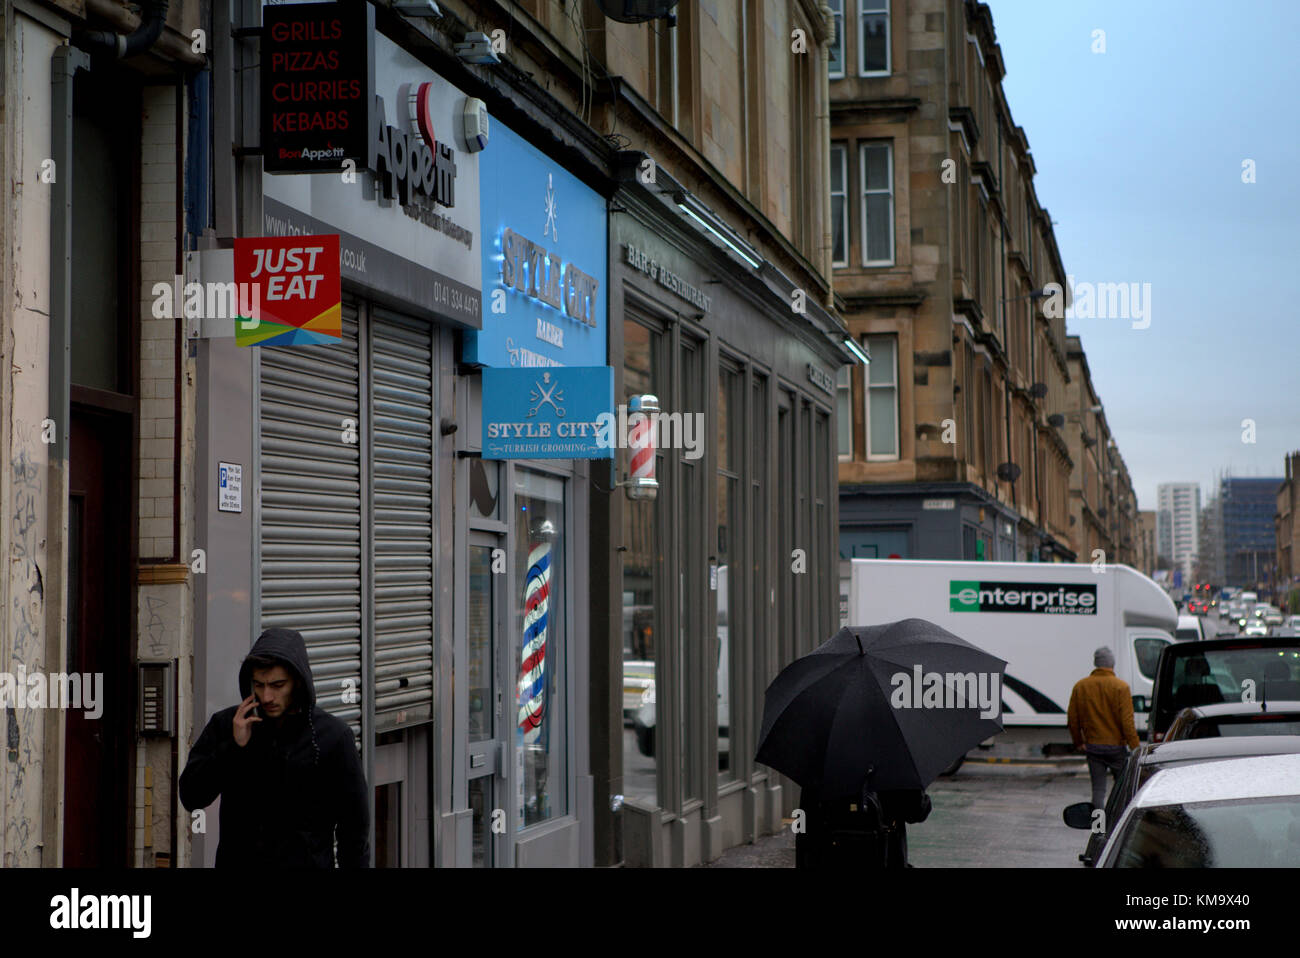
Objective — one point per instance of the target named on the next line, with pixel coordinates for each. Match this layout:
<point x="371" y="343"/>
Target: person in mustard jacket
<point x="1101" y="722"/>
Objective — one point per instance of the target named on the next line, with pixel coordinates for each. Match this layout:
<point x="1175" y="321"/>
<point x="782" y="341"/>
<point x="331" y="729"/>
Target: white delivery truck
<point x="1045" y="619"/>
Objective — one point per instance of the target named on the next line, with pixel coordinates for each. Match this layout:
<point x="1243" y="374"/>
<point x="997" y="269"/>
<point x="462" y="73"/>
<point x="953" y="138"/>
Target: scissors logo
<point x="541" y="396"/>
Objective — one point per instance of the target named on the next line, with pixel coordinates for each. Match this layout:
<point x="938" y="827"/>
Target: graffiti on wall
<point x="26" y="618"/>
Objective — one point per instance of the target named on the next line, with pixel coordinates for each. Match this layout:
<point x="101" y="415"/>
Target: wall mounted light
<point x="428" y="10"/>
<point x="852" y="346"/>
<point x="705" y="219"/>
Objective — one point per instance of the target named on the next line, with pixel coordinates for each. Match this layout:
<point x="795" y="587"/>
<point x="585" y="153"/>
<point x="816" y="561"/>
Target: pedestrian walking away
<point x="1101" y="722"/>
<point x="287" y="772"/>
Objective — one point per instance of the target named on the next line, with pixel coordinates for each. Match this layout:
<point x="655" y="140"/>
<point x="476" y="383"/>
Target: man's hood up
<point x="286" y="647"/>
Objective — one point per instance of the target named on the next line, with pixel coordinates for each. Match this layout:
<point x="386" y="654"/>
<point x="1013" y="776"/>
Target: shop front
<point x="521" y="778"/>
<point x="341" y="451"/>
<point x="729" y="572"/>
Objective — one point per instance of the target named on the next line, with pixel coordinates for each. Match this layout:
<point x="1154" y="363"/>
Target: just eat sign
<point x="294" y="281"/>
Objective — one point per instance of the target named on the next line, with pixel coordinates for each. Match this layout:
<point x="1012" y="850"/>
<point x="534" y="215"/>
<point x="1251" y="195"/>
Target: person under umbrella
<point x="869" y="719"/>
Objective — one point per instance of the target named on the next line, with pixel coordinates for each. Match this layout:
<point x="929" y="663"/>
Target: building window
<point x="541" y="741"/>
<point x="873" y="37"/>
<point x="877" y="175"/>
<point x="844" y="412"/>
<point x="882" y="398"/>
<point x="645" y="616"/>
<point x="731" y="449"/>
<point x="840" y="204"/>
<point x="836" y="71"/>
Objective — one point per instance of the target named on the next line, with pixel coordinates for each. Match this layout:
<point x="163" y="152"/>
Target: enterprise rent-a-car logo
<point x="1022" y="597"/>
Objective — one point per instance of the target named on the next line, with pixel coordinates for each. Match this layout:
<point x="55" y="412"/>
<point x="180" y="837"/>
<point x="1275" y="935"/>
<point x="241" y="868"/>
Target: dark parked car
<point x="1237" y="813"/>
<point x="1192" y="674"/>
<point x="1235" y="719"/>
<point x="1145" y="761"/>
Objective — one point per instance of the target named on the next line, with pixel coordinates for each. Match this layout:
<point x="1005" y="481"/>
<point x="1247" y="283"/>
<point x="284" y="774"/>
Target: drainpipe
<point x="154" y="15"/>
<point x="64" y="65"/>
<point x="824" y="58"/>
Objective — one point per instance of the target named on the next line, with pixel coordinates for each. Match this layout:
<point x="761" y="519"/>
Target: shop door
<point x="488" y="722"/>
<point x="99" y="632"/>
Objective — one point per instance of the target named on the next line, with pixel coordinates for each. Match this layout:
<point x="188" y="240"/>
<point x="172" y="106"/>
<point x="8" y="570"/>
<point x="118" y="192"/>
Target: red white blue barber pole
<point x="532" y="673"/>
<point x="531" y="726"/>
<point x="641" y="482"/>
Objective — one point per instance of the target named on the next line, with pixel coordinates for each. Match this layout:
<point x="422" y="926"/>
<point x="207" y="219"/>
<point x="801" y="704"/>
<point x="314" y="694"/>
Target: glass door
<point x="487" y="723"/>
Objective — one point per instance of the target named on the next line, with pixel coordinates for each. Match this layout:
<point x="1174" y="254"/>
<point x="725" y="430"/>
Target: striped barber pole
<point x="640" y="439"/>
<point x="532" y="673"/>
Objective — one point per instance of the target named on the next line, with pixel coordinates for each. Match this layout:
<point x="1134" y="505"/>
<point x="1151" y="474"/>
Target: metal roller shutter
<point x="402" y="464"/>
<point x="311" y="542"/>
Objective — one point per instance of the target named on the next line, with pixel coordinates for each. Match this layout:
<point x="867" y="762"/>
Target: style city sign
<point x="560" y="412"/>
<point x="530" y="269"/>
<point x="317" y="71"/>
<point x="544" y="262"/>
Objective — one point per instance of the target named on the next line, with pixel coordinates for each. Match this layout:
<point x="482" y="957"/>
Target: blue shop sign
<point x="553" y="412"/>
<point x="545" y="260"/>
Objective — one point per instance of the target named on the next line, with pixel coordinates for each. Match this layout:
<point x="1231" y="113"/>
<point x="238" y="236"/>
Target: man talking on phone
<point x="287" y="771"/>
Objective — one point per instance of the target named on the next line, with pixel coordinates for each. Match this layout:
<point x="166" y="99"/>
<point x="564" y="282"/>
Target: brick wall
<point x="157" y="336"/>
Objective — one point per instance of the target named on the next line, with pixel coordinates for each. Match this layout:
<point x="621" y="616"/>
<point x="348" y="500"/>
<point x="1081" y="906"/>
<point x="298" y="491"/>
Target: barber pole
<point x="641" y="483"/>
<point x="532" y="673"/>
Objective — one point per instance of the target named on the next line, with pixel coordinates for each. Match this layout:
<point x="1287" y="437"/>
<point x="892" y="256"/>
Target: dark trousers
<point x="1103" y="759"/>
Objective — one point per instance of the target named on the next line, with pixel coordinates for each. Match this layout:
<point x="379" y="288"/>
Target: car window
<point x="1147" y="653"/>
<point x="1187" y="634"/>
<point x="1227" y="670"/>
<point x="1257" y="833"/>
<point x="1243" y="725"/>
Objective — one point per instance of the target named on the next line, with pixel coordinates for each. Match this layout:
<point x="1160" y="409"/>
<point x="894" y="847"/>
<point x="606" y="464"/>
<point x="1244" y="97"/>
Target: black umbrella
<point x="902" y="699"/>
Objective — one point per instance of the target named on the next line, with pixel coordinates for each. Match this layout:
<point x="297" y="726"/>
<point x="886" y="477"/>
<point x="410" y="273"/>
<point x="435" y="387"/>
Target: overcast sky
<point x="1139" y="152"/>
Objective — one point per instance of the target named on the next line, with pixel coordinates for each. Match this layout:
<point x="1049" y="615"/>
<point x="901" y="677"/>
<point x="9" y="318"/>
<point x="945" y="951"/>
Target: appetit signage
<point x="544" y="259"/>
<point x="317" y="73"/>
<point x="424" y="255"/>
<point x="295" y="287"/>
<point x="550" y="413"/>
<point x="414" y="168"/>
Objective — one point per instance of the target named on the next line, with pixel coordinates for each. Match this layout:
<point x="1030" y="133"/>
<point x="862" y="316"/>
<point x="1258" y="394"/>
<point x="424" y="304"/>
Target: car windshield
<point x="1256" y="833"/>
<point x="1219" y="675"/>
<point x="1187" y="634"/>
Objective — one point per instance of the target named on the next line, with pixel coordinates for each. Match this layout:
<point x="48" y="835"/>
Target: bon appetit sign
<point x="317" y="74"/>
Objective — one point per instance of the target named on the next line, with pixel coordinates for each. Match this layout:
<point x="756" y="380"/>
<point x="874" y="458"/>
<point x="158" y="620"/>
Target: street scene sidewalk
<point x="988" y="814"/>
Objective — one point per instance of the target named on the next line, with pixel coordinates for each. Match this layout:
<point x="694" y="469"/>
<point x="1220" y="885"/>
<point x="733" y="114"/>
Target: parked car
<point x="1238" y="813"/>
<point x="637" y="677"/>
<point x="1190" y="674"/>
<point x="1147" y="760"/>
<point x="643" y="724"/>
<point x="1272" y="717"/>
